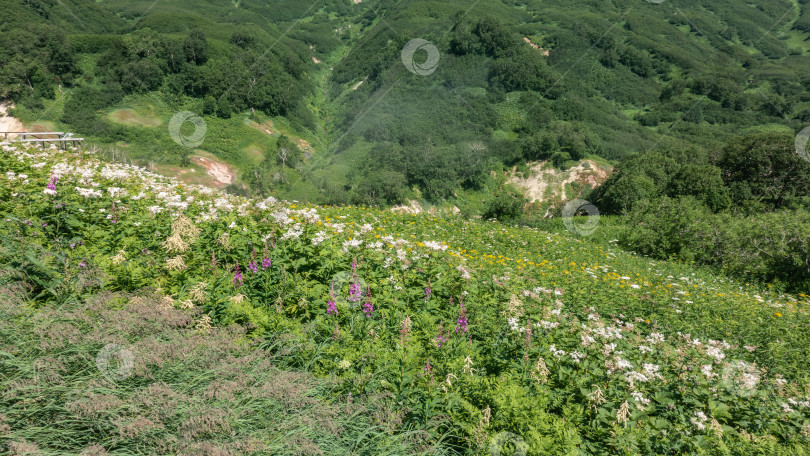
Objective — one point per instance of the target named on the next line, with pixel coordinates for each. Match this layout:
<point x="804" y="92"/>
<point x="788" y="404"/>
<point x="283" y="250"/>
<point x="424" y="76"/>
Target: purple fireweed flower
<point x="440" y="339"/>
<point x="266" y="261"/>
<point x="428" y="290"/>
<point x="368" y="307"/>
<point x="237" y="276"/>
<point x="213" y="260"/>
<point x="331" y="307"/>
<point x="354" y="265"/>
<point x="51" y="188"/>
<point x="355" y="293"/>
<point x="461" y="323"/>
<point x="254" y="268"/>
<point x="83" y="264"/>
<point x="428" y="370"/>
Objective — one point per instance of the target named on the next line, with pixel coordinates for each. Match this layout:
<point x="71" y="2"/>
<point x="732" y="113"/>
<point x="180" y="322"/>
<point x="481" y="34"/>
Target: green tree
<point x="662" y="227"/>
<point x="287" y="153"/>
<point x="766" y="167"/>
<point x="382" y="188"/>
<point x="195" y="47"/>
<point x="141" y="76"/>
<point x="626" y="191"/>
<point x="704" y="182"/>
<point x="504" y="205"/>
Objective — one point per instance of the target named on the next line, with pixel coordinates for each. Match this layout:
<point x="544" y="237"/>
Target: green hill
<point x="515" y="82"/>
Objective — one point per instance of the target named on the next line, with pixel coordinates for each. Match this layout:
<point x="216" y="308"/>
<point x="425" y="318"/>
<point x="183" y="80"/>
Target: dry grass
<point x="188" y="392"/>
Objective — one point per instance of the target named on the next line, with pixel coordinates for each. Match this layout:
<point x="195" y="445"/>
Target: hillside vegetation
<point x="453" y="336"/>
<point x="530" y="227"/>
<point x="514" y="82"/>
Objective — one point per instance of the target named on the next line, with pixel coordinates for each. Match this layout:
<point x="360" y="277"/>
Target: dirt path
<point x="222" y="173"/>
<point x="536" y="46"/>
<point x="8" y="123"/>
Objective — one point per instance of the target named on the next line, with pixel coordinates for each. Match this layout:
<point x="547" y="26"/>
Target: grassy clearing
<point x="128" y="116"/>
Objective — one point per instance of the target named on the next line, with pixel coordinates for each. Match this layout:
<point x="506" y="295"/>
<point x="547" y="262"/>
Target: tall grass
<point x="191" y="390"/>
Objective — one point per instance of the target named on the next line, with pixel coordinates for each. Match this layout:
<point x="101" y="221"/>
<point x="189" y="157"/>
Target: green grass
<point x="186" y="391"/>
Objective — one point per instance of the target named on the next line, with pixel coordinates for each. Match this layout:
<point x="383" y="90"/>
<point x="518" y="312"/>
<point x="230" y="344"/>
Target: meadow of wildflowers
<point x="478" y="337"/>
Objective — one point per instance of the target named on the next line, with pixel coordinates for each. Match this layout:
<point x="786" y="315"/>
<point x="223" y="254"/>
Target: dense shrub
<point x="770" y="247"/>
<point x="704" y="182"/>
<point x="765" y="168"/>
<point x="505" y="205"/>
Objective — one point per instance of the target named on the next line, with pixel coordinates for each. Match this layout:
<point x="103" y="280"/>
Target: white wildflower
<point x="699" y="420"/>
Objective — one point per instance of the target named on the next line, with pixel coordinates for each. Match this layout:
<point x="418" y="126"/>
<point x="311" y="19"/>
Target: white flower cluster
<point x="88" y="193"/>
<point x="623" y="363"/>
<point x="587" y="340"/>
<point x="557" y="353"/>
<point x="699" y="420"/>
<point x="319" y="237"/>
<point x="608" y="332"/>
<point x="354" y="243"/>
<point x="11" y="175"/>
<point x="715" y="353"/>
<point x="639" y="397"/>
<point x="547" y="324"/>
<point x="435" y="246"/>
<point x="707" y="371"/>
<point x="293" y="233"/>
<point x="655" y="338"/>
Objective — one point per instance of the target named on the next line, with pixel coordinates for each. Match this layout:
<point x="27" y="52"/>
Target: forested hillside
<point x="325" y="83"/>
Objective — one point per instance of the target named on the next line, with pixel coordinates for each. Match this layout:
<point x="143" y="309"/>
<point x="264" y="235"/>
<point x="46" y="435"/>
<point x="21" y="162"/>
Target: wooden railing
<point x="61" y="139"/>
